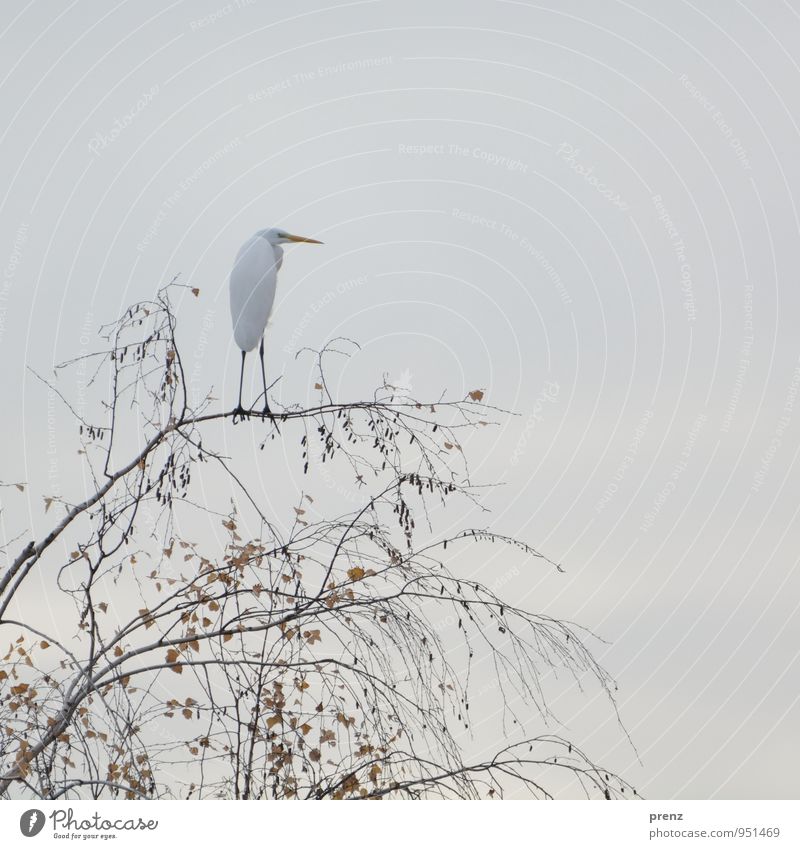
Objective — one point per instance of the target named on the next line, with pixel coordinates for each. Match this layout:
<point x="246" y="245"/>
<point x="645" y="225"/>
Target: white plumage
<point x="253" y="282"/>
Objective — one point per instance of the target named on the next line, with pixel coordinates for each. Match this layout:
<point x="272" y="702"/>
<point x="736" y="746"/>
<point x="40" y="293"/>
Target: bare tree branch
<point x="332" y="659"/>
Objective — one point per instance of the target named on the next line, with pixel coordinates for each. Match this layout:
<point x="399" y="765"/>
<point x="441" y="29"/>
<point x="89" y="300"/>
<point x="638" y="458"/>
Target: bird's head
<point x="279" y="236"/>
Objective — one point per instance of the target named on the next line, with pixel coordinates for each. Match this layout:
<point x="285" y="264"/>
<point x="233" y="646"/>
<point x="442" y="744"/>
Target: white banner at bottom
<point x="762" y="824"/>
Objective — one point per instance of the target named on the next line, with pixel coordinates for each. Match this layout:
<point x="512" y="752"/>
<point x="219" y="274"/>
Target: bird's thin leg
<point x="267" y="411"/>
<point x="240" y="411"/>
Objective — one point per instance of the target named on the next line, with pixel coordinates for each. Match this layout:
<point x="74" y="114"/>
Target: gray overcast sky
<point x="585" y="207"/>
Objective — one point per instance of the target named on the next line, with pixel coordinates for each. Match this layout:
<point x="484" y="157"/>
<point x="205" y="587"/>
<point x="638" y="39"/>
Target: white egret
<point x="252" y="287"/>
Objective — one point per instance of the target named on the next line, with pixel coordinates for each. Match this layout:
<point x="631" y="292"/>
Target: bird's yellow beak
<point x="292" y="238"/>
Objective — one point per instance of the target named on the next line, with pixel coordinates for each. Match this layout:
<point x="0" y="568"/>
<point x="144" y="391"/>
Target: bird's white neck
<point x="278" y="250"/>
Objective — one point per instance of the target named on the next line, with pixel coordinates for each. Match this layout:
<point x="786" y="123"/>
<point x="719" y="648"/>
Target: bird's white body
<point x="254" y="280"/>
